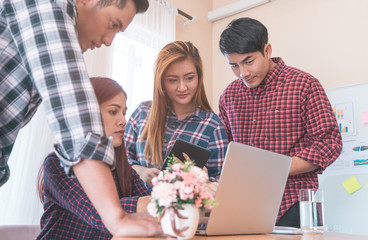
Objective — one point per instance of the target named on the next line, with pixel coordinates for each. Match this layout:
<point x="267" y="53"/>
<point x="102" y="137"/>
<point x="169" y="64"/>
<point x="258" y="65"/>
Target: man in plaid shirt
<point x="41" y="44"/>
<point x="278" y="108"/>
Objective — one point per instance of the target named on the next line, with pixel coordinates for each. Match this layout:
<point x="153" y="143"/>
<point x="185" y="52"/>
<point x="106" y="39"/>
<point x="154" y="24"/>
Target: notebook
<point x="249" y="194"/>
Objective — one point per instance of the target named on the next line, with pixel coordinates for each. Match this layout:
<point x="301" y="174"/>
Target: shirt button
<point x="165" y="141"/>
<point x="255" y="97"/>
<point x="173" y="125"/>
<point x="277" y="111"/>
<point x="254" y="120"/>
<point x="252" y="144"/>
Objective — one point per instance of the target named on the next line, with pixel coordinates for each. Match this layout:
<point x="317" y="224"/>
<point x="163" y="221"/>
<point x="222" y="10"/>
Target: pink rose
<point x="154" y="181"/>
<point x="169" y="177"/>
<point x="177" y="167"/>
<point x="165" y="193"/>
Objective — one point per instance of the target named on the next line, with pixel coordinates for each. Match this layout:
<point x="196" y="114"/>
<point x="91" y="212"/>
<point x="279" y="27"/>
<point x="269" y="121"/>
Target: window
<point x="135" y="51"/>
<point x="133" y="68"/>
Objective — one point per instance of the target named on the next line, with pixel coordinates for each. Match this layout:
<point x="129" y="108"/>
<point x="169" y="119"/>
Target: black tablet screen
<point x="196" y="153"/>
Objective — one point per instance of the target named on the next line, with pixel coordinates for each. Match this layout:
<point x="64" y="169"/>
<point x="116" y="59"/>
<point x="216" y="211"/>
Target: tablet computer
<point x="198" y="154"/>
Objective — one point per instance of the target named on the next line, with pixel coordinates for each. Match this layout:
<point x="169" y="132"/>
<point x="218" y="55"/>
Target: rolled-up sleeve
<point x="45" y="34"/>
<point x="322" y="142"/>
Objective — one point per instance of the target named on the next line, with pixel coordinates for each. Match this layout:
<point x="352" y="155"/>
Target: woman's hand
<point x="138" y="225"/>
<point x="142" y="204"/>
<point x="146" y="174"/>
<point x="211" y="186"/>
<point x="186" y="157"/>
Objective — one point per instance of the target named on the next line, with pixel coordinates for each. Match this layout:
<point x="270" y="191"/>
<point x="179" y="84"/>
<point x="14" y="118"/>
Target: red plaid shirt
<point x="288" y="113"/>
<point x="69" y="214"/>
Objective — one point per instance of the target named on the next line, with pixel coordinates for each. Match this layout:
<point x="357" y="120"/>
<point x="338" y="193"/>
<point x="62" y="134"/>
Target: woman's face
<point x="181" y="83"/>
<point x="113" y="115"/>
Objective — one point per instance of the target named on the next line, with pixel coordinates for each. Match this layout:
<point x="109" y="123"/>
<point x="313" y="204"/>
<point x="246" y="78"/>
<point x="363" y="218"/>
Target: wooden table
<point x="325" y="236"/>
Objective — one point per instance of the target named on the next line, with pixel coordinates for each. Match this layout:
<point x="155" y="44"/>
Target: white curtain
<point x="131" y="58"/>
<point x="19" y="202"/>
<point x="156" y="27"/>
<point x="130" y="62"/>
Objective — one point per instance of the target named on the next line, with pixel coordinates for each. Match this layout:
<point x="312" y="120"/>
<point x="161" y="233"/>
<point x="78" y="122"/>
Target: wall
<point x="199" y="32"/>
<point x="323" y="37"/>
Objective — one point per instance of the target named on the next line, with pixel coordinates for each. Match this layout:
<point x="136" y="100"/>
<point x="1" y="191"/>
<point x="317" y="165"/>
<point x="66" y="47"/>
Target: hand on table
<point x="138" y="225"/>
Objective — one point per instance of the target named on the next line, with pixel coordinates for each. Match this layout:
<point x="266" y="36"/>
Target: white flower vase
<point x="190" y="212"/>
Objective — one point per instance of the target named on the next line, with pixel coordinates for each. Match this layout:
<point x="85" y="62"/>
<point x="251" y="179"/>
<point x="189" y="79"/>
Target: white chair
<point x="19" y="232"/>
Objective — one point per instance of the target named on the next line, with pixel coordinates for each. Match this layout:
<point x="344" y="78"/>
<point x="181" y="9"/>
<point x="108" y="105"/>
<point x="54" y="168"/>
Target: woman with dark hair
<point x="179" y="110"/>
<point x="69" y="214"/>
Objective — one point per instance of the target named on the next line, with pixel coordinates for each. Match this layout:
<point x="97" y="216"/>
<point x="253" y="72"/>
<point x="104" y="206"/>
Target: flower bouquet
<point x="177" y="194"/>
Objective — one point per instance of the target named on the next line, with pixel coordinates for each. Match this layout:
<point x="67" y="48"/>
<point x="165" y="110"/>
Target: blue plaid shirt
<point x="40" y="57"/>
<point x="203" y="128"/>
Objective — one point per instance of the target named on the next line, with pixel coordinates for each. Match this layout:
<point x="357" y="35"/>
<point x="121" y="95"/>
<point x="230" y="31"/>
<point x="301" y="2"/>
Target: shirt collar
<point x="272" y="78"/>
<point x="197" y="113"/>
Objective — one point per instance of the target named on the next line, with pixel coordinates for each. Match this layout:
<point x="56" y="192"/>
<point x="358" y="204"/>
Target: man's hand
<point x="299" y="165"/>
<point x="138" y="225"/>
<point x="146" y="174"/>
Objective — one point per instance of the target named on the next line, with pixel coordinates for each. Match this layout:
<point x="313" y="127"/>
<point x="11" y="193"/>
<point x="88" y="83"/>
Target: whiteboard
<point x="344" y="212"/>
<point x="349" y="104"/>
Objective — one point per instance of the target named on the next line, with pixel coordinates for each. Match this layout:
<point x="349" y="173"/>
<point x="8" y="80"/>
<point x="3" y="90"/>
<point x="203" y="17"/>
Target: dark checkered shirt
<point x="288" y="113"/>
<point x="203" y="128"/>
<point x="40" y="57"/>
<point x="68" y="212"/>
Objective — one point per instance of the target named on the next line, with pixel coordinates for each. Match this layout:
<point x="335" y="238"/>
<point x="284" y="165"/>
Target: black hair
<point x="141" y="5"/>
<point x="243" y="35"/>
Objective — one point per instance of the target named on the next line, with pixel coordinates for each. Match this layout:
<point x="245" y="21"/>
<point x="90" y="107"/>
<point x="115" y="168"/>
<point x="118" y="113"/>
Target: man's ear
<point x="82" y="2"/>
<point x="268" y="50"/>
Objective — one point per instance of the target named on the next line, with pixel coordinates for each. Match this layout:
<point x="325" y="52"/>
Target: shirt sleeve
<point x="139" y="190"/>
<point x="130" y="137"/>
<point x="223" y="116"/>
<point x="45" y="34"/>
<point x="322" y="143"/>
<point x="218" y="145"/>
<point x="69" y="194"/>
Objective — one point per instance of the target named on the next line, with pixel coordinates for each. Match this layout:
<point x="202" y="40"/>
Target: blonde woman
<point x="179" y="110"/>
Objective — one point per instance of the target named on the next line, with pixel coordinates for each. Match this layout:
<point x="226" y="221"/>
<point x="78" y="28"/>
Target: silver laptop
<point x="249" y="194"/>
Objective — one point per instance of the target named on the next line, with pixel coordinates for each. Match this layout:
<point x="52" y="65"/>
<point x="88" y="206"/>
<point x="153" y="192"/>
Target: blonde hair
<point x="155" y="128"/>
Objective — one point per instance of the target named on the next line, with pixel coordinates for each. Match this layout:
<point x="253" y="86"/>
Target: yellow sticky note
<point x="367" y="184"/>
<point x="352" y="185"/>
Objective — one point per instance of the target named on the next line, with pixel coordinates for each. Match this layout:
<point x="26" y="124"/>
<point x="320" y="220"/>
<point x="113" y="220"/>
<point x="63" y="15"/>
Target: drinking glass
<point x="311" y="210"/>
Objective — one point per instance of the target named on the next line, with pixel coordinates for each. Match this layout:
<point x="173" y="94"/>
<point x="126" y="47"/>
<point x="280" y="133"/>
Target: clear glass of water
<point x="311" y="210"/>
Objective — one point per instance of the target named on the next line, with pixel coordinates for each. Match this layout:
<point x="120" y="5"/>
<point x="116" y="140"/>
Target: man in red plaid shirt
<point x="278" y="108"/>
